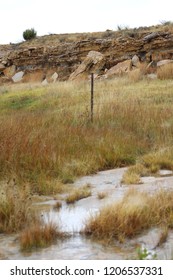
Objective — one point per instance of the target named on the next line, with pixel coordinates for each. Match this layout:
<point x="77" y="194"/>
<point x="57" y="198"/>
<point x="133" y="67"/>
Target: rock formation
<point x="104" y="55"/>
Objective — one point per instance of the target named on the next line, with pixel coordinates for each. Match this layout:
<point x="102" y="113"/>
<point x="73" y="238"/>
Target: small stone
<point x="54" y="77"/>
<point x="44" y="82"/>
<point x="152" y="76"/>
<point x="2" y="67"/>
<point x="18" y="77"/>
<point x="135" y="61"/>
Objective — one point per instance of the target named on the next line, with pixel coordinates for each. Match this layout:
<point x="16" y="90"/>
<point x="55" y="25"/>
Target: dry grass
<point x="135" y="75"/>
<point x="162" y="159"/>
<point x="136" y="212"/>
<point x="78" y="194"/>
<point x="134" y="173"/>
<point x="55" y="39"/>
<point x="102" y="195"/>
<point x="150" y="164"/>
<point x="131" y="178"/>
<point x="45" y="132"/>
<point x="165" y="72"/>
<point x="163" y="236"/>
<point x="57" y="205"/>
<point x="38" y="236"/>
<point x="15" y="209"/>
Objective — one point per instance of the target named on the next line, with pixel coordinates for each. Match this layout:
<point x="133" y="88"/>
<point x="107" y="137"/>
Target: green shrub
<point x="29" y="34"/>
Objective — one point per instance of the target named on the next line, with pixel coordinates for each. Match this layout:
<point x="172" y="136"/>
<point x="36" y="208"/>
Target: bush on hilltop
<point x="29" y="34"/>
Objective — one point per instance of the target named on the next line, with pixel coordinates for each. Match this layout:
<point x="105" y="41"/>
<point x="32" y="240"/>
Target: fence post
<point x="92" y="95"/>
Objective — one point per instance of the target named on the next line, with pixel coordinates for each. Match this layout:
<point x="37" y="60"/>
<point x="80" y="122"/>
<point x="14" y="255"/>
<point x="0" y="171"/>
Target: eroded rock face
<point x="75" y="59"/>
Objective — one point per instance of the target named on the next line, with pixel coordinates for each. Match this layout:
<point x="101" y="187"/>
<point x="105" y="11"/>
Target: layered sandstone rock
<point x="75" y="59"/>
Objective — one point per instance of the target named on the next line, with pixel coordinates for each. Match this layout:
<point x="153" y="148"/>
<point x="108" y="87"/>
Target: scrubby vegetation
<point x="149" y="164"/>
<point x="18" y="216"/>
<point x="38" y="236"/>
<point x="136" y="212"/>
<point x="29" y="34"/>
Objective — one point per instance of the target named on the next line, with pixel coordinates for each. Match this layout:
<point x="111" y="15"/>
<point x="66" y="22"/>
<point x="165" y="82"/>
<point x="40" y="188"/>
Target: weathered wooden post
<point x="92" y="96"/>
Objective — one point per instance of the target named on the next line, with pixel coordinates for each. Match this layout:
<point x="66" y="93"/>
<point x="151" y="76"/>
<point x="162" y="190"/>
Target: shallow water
<point x="72" y="218"/>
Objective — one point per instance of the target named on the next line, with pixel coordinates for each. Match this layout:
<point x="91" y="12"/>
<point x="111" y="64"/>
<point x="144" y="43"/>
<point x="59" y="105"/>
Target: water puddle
<point x="71" y="219"/>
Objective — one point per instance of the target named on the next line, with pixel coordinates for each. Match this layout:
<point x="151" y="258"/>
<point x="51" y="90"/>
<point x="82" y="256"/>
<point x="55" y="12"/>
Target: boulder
<point x="152" y="76"/>
<point x="5" y="62"/>
<point x="44" y="82"/>
<point x="164" y="62"/>
<point x="10" y="71"/>
<point x="135" y="61"/>
<point x="2" y="67"/>
<point x="151" y="36"/>
<point x="54" y="77"/>
<point x="18" y="77"/>
<point x="93" y="63"/>
<point x="120" y="68"/>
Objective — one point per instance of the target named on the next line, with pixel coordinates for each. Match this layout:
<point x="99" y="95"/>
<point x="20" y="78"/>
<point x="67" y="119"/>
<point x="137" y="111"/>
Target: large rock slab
<point x="164" y="62"/>
<point x="93" y="63"/>
<point x="119" y="69"/>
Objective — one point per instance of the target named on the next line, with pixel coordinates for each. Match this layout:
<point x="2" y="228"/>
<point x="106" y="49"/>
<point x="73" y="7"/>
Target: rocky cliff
<point x="38" y="59"/>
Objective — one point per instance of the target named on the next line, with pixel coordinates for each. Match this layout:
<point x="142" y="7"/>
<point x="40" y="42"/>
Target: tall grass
<point x="45" y="132"/>
<point x="17" y="216"/>
<point x="15" y="210"/>
<point x="165" y="71"/>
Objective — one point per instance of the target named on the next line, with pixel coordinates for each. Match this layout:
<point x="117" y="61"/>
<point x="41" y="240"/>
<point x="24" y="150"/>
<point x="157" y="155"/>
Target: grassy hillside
<point x="46" y="133"/>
